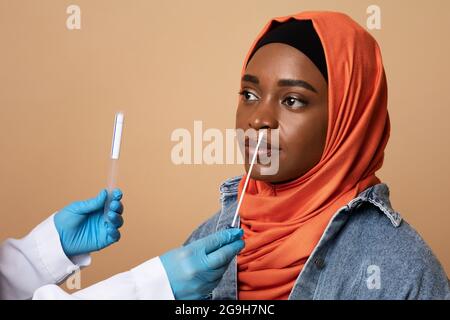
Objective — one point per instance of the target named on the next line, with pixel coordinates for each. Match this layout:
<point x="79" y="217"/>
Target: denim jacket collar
<point x="378" y="195"/>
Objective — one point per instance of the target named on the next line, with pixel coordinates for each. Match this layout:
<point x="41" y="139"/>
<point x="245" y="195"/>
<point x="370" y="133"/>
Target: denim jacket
<point x="367" y="251"/>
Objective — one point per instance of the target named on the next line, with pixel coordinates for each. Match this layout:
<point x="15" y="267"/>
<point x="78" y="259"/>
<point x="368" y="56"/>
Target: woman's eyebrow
<point x="282" y="82"/>
<point x="250" y="78"/>
<point x="296" y="83"/>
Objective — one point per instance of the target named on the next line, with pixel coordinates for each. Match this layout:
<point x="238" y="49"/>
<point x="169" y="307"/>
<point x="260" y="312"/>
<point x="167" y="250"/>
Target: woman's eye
<point x="248" y="96"/>
<point x="294" y="103"/>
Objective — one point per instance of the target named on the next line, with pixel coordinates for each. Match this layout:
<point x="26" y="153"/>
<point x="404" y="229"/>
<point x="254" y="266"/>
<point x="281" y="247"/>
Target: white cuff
<point x="51" y="253"/>
<point x="151" y="281"/>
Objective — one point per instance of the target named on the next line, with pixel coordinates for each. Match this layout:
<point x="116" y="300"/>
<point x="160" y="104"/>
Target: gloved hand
<point x="83" y="227"/>
<point x="196" y="269"/>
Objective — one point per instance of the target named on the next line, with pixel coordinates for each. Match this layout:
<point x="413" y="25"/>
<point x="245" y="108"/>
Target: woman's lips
<point x="265" y="149"/>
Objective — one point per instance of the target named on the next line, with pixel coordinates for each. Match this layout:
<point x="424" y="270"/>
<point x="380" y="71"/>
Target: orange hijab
<point x="283" y="223"/>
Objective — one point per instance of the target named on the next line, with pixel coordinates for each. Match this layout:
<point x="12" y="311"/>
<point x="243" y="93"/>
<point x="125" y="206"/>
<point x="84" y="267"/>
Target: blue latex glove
<point x="82" y="225"/>
<point x="196" y="269"/>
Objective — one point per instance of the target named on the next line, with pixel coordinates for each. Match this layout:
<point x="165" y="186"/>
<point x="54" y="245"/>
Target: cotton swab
<point x="261" y="135"/>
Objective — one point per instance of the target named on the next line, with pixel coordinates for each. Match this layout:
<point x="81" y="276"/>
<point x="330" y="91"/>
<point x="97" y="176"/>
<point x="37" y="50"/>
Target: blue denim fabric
<point x="366" y="252"/>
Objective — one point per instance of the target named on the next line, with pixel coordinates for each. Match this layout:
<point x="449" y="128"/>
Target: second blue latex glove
<point x="83" y="227"/>
<point x="196" y="269"/>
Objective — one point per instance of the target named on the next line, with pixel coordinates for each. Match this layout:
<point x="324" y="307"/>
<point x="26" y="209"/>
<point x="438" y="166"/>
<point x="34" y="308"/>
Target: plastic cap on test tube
<point x="117" y="136"/>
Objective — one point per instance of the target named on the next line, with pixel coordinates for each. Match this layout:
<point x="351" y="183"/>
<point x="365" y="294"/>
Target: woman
<point x="323" y="226"/>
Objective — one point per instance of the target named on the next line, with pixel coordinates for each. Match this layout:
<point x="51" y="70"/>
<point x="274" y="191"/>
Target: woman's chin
<point x="259" y="172"/>
<point x="264" y="173"/>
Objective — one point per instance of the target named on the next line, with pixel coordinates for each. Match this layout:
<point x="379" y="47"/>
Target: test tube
<point x="114" y="159"/>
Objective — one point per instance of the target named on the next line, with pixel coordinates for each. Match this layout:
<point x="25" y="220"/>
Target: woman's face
<point x="282" y="89"/>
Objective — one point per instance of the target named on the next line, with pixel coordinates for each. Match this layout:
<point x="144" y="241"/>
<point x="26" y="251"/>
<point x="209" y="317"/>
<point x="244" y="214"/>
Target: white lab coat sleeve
<point x="35" y="260"/>
<point x="147" y="281"/>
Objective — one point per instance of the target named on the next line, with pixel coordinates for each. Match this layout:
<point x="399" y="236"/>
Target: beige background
<point x="166" y="64"/>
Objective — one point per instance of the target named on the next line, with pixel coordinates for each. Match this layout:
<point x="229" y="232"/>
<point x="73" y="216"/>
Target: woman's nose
<point x="264" y="117"/>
